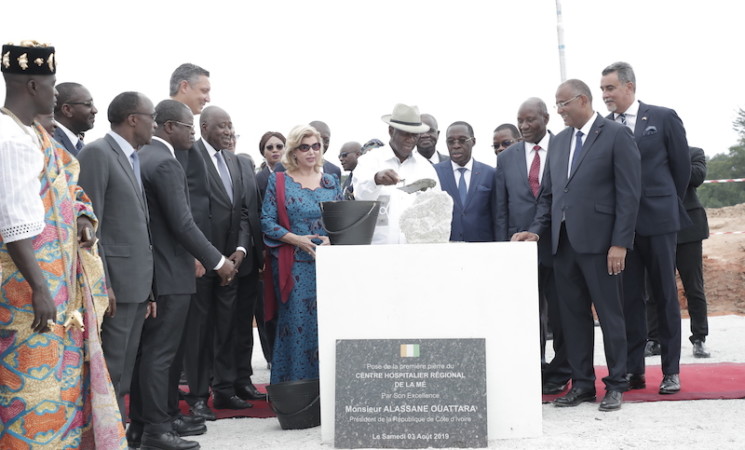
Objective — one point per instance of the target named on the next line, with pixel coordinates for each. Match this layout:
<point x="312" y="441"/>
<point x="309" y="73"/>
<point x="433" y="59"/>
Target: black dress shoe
<point x="200" y="409"/>
<point x="166" y="441"/>
<point x="575" y="396"/>
<point x="183" y="428"/>
<point x="550" y="388"/>
<point x="233" y="402"/>
<point x="190" y="419"/>
<point x="249" y="392"/>
<point x="636" y="381"/>
<point x="670" y="384"/>
<point x="699" y="350"/>
<point x="612" y="401"/>
<point x="134" y="435"/>
<point x="652" y="348"/>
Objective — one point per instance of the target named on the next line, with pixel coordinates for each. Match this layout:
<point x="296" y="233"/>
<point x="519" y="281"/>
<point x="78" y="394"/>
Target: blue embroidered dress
<point x="296" y="345"/>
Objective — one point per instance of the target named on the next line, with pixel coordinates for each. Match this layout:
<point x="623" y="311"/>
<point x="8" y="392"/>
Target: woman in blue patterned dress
<point x="292" y="230"/>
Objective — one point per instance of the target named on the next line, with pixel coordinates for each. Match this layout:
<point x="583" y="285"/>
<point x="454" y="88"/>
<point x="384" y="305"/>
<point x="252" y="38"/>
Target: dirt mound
<point x="724" y="262"/>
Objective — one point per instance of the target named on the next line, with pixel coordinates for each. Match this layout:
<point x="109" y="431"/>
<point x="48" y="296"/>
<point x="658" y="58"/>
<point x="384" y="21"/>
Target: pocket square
<point x="650" y="130"/>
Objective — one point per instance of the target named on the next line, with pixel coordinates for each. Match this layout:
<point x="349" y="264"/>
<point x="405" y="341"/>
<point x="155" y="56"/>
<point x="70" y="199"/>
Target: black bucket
<point x="297" y="404"/>
<point x="350" y="222"/>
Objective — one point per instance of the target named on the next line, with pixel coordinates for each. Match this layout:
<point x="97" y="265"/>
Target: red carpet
<point x="721" y="381"/>
<point x="261" y="409"/>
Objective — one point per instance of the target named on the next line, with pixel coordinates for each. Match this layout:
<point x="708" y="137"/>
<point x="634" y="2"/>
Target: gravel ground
<point x="702" y="424"/>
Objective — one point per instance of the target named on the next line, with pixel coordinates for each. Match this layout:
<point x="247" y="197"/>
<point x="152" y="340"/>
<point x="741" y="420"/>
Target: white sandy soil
<point x="702" y="424"/>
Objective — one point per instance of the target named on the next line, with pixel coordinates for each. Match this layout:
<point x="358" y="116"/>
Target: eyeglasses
<point x="563" y="104"/>
<point x="345" y="154"/>
<point x="86" y="104"/>
<point x="151" y="115"/>
<point x="271" y="147"/>
<point x="305" y="147"/>
<point x="461" y="141"/>
<point x="505" y="144"/>
<point x="187" y="125"/>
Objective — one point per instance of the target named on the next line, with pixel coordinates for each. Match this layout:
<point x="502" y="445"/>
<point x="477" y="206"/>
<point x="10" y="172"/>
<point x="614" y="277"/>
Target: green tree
<point x="726" y="166"/>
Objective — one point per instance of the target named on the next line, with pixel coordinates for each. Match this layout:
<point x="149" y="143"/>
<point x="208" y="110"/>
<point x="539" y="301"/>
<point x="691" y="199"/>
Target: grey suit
<point x="107" y="177"/>
<point x="589" y="211"/>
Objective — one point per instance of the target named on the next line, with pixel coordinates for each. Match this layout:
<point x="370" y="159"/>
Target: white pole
<point x="560" y="33"/>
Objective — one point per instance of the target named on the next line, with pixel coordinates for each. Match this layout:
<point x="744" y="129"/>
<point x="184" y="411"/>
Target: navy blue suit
<point x="61" y="137"/>
<point x="665" y="169"/>
<point x="474" y="221"/>
<point x="515" y="208"/>
<point x="589" y="211"/>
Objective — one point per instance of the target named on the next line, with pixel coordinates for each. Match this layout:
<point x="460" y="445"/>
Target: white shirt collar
<point x="70" y="135"/>
<point x="123" y="143"/>
<point x="632" y="110"/>
<point x="468" y="166"/>
<point x="167" y="144"/>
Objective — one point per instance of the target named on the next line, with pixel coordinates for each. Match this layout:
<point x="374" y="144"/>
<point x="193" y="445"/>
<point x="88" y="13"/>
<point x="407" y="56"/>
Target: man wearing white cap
<point x="379" y="173"/>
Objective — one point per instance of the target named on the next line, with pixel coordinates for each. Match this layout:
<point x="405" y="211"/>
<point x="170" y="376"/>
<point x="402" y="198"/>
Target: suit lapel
<point x="126" y="166"/>
<point x="641" y="121"/>
<point x="597" y="127"/>
<point x="236" y="177"/>
<point x="476" y="174"/>
<point x="212" y="170"/>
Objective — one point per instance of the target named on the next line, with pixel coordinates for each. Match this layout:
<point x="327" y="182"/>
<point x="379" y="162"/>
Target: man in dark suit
<point x="248" y="300"/>
<point x="590" y="199"/>
<point x="110" y="175"/>
<point x="520" y="171"/>
<point x="348" y="155"/>
<point x="176" y="241"/>
<point x="689" y="261"/>
<point x="75" y="114"/>
<point x="190" y="85"/>
<point x="325" y="133"/>
<point x="472" y="191"/>
<point x="666" y="168"/>
<point x="427" y="142"/>
<point x="209" y="352"/>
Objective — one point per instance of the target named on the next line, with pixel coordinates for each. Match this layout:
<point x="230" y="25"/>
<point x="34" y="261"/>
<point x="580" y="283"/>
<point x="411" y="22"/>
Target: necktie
<point x="462" y="188"/>
<point x="535" y="167"/>
<point x="224" y="175"/>
<point x="79" y="145"/>
<point x="136" y="168"/>
<point x="577" y="150"/>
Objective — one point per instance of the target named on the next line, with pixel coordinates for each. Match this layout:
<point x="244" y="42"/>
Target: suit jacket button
<point x="566" y="190"/>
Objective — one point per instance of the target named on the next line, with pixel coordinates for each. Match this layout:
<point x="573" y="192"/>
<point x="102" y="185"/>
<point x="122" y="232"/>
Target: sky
<point x="281" y="63"/>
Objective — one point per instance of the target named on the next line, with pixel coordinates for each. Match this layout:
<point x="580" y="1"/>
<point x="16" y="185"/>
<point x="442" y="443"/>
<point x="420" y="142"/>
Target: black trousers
<point x="209" y="351"/>
<point x="248" y="307"/>
<point x="558" y="370"/>
<point x="689" y="261"/>
<point x="582" y="280"/>
<point x="159" y="345"/>
<point x="656" y="255"/>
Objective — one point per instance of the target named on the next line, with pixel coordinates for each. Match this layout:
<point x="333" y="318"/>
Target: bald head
<point x="216" y="127"/>
<point x="348" y="155"/>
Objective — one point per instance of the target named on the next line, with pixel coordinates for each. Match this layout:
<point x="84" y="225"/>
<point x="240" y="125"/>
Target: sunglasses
<point x="502" y="144"/>
<point x="461" y="141"/>
<point x="270" y="147"/>
<point x="305" y="147"/>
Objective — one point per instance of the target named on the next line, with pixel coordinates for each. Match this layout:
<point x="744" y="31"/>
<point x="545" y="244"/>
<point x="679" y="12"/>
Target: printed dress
<point x="296" y="345"/>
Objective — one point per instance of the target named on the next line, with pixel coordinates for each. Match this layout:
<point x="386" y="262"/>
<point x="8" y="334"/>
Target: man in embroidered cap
<point x="58" y="371"/>
<point x="378" y="172"/>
